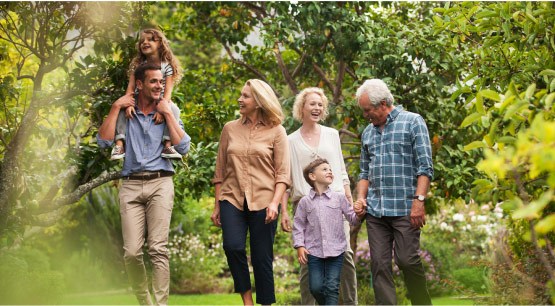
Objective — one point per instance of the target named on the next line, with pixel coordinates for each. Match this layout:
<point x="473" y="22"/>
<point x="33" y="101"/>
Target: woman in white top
<point x="309" y="142"/>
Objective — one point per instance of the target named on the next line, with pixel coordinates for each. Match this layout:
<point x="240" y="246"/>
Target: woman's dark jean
<point x="235" y="224"/>
<point x="324" y="275"/>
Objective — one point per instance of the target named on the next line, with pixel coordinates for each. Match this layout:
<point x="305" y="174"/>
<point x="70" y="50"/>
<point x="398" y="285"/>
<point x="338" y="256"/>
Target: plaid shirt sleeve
<point x="422" y="148"/>
<point x="364" y="157"/>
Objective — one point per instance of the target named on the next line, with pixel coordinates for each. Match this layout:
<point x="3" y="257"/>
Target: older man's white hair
<point x="377" y="91"/>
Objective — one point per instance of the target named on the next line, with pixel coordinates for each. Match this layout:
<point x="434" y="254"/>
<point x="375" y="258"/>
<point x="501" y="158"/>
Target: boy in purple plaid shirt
<point x="318" y="232"/>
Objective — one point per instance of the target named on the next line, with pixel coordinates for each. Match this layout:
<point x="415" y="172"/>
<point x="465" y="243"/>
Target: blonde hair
<point x="300" y="99"/>
<point x="165" y="53"/>
<point x="266" y="99"/>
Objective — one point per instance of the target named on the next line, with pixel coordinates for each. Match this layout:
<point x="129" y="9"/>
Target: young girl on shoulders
<point x="152" y="48"/>
<point x="318" y="233"/>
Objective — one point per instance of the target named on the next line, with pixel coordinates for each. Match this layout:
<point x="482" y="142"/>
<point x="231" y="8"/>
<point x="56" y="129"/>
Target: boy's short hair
<point x="140" y="72"/>
<point x="310" y="168"/>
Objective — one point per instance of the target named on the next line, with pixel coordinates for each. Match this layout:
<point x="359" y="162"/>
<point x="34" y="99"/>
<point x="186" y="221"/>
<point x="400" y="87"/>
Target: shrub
<point x="27" y="278"/>
<point x="471" y="278"/>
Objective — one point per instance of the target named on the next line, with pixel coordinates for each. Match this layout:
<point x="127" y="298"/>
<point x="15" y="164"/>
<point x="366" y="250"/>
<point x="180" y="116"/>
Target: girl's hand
<point x="271" y="213"/>
<point x="301" y="255"/>
<point x="158" y="118"/>
<point x="285" y="222"/>
<point x="129" y="112"/>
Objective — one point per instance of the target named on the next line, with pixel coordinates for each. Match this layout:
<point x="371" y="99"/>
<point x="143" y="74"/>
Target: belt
<point x="147" y="177"/>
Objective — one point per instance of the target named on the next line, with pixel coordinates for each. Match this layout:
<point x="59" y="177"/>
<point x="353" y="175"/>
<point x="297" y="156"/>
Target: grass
<point x="200" y="299"/>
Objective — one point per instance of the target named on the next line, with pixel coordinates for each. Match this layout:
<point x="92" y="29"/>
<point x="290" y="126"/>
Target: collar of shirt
<point x="313" y="193"/>
<point x="391" y="117"/>
<point x="246" y="120"/>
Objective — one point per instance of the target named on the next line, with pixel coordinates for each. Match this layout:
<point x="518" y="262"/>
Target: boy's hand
<point x="360" y="207"/>
<point x="302" y="252"/>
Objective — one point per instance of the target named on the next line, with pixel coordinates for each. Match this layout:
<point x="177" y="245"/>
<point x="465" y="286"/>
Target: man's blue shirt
<point x="143" y="145"/>
<point x="392" y="159"/>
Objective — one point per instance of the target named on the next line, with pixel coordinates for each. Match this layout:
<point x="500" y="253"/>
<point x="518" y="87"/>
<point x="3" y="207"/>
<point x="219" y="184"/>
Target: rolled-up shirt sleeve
<point x="221" y="159"/>
<point x="422" y="148"/>
<point x="103" y="143"/>
<point x="185" y="143"/>
<point x="364" y="157"/>
<point x="282" y="158"/>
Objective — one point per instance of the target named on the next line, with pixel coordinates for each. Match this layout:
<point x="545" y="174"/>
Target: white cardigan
<point x="329" y="147"/>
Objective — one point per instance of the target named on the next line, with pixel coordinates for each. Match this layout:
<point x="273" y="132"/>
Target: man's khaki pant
<point x="348" y="284"/>
<point x="147" y="206"/>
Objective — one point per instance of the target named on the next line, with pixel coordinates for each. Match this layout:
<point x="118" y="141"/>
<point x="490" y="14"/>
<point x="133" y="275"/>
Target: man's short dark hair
<point x="140" y="72"/>
<point x="310" y="168"/>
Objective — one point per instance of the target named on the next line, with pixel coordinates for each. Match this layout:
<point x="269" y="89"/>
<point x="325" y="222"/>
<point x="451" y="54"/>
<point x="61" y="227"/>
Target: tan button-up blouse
<point x="251" y="163"/>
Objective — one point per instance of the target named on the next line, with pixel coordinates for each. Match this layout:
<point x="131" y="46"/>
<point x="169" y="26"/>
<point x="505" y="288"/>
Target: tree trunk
<point x="10" y="169"/>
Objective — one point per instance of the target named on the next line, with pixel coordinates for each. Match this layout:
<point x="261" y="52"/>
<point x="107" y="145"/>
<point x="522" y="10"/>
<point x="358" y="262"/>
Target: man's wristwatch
<point x="420" y="198"/>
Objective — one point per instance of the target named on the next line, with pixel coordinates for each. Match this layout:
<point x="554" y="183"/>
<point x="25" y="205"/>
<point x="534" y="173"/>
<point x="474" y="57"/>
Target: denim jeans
<point x="324" y="275"/>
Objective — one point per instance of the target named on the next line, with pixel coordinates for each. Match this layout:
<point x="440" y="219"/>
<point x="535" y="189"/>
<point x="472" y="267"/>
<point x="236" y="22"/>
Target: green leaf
<point x="506" y="139"/>
<point x="530" y="91"/>
<point x="482" y="182"/>
<point x="506" y="103"/>
<point x="490" y="94"/>
<point x="486" y="13"/>
<point x="470" y="118"/>
<point x="515" y="108"/>
<point x="438" y="20"/>
<point x="545" y="225"/>
<point x="547" y="72"/>
<point x="533" y="210"/>
<point x="549" y="99"/>
<point x="480" y="104"/>
<point x="511" y="204"/>
<point x="552" y="85"/>
<point x="474" y="145"/>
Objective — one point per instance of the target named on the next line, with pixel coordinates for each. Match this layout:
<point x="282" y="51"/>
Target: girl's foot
<point x="170" y="153"/>
<point x="117" y="153"/>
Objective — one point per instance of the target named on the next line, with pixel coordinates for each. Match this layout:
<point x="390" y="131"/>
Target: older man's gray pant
<point x="387" y="234"/>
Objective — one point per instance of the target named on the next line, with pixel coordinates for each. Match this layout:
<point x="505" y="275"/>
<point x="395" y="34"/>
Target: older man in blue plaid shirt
<point x="395" y="173"/>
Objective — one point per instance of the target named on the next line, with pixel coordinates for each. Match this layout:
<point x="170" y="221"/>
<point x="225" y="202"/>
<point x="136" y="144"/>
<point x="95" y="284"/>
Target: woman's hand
<point x="216" y="216"/>
<point x="285" y="221"/>
<point x="271" y="212"/>
<point x="302" y="252"/>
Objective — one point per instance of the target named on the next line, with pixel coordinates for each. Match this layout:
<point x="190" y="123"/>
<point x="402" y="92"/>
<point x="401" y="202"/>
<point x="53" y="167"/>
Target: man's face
<point x="152" y="85"/>
<point x="377" y="115"/>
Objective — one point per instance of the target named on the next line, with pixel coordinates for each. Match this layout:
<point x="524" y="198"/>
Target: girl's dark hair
<point x="310" y="168"/>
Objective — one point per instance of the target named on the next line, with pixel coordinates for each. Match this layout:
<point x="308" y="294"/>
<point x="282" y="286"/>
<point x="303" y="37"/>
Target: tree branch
<point x="339" y="76"/>
<point x="80" y="191"/>
<point x="345" y="131"/>
<point x="323" y="76"/>
<point x="285" y="71"/>
<point x="299" y="65"/>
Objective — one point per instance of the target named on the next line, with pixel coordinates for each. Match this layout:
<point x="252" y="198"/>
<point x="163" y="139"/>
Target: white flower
<point x="443" y="225"/>
<point x="458" y="217"/>
<point x="473" y="219"/>
<point x="482" y="218"/>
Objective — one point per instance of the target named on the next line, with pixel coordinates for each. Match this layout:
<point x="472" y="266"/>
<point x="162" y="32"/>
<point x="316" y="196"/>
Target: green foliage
<point x="28" y="279"/>
<point x="471" y="278"/>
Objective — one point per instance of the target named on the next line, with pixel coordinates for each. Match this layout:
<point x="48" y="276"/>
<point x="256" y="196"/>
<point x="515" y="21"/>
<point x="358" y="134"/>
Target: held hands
<point x="271" y="213"/>
<point x="360" y="207"/>
<point x="417" y="214"/>
<point x="285" y="222"/>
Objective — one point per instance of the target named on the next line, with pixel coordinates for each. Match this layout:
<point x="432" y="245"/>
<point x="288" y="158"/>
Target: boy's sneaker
<point x="170" y="153"/>
<point x="117" y="153"/>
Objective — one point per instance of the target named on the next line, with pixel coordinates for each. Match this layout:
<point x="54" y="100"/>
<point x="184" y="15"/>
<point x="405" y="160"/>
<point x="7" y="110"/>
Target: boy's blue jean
<point x="324" y="275"/>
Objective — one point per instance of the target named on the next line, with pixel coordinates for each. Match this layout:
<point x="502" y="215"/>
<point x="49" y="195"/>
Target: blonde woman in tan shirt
<point x="251" y="176"/>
